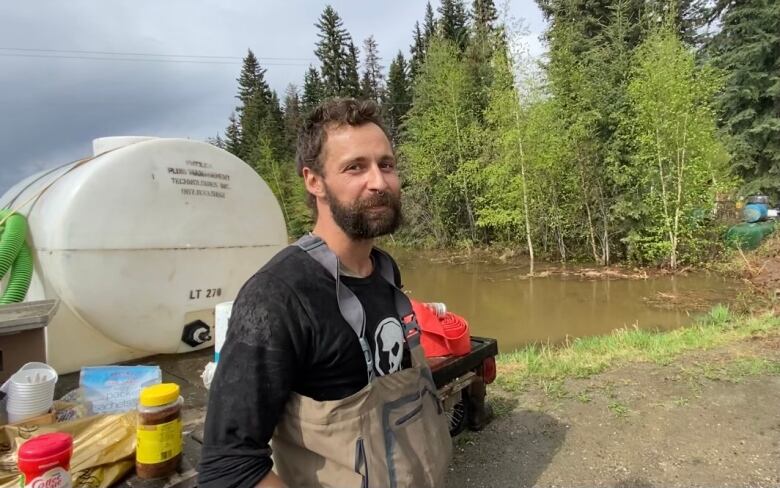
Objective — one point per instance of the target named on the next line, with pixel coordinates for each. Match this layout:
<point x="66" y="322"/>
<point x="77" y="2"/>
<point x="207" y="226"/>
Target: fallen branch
<point x="747" y="263"/>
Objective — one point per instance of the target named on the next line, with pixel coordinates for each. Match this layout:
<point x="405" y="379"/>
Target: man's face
<point x="360" y="181"/>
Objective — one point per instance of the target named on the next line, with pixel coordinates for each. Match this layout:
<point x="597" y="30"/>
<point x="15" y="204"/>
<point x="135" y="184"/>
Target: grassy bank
<point x="588" y="356"/>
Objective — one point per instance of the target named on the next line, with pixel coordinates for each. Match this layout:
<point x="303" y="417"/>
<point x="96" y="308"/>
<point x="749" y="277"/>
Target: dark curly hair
<point x="332" y="113"/>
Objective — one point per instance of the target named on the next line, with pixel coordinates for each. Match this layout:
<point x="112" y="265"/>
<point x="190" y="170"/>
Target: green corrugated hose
<point x="14" y="255"/>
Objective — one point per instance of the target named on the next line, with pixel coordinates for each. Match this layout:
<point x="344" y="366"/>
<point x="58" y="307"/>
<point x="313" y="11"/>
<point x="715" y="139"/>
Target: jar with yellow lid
<point x="159" y="434"/>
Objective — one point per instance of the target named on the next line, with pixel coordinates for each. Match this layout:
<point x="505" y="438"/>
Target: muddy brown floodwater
<point x="498" y="301"/>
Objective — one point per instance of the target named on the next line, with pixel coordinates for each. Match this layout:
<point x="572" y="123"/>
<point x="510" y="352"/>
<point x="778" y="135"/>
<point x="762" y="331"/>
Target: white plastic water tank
<point x="141" y="241"/>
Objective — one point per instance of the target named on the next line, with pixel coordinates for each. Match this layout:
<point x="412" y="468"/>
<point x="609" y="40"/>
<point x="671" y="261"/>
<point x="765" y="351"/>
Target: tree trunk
<point x="680" y="180"/>
<point x="591" y="230"/>
<point x="556" y="227"/>
<point x="470" y="214"/>
<point x="525" y="193"/>
<point x="667" y="218"/>
<point x="605" y="219"/>
<point x="435" y="217"/>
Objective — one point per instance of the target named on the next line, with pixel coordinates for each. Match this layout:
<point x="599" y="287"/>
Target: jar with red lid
<point x="44" y="461"/>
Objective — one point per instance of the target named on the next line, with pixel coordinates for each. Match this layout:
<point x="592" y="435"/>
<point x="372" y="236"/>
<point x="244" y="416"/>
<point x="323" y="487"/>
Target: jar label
<point x="53" y="478"/>
<point x="158" y="443"/>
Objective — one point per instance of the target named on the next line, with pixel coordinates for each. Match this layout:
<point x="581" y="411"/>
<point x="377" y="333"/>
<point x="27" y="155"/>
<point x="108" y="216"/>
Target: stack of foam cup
<point x="30" y="391"/>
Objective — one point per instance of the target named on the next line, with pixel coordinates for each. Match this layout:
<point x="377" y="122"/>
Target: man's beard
<point x="360" y="222"/>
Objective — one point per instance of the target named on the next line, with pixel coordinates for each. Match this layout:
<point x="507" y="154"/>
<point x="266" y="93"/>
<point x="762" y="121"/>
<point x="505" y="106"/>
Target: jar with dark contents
<point x="159" y="434"/>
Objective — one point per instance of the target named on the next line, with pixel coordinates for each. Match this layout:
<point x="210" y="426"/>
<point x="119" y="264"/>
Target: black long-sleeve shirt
<point x="285" y="335"/>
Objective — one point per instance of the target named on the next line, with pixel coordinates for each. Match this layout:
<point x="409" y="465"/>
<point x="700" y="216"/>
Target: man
<point x="320" y="352"/>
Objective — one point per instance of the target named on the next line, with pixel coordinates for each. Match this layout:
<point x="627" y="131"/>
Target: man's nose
<point x="376" y="179"/>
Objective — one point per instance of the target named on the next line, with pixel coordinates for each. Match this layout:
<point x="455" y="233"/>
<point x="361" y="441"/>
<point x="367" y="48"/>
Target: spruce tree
<point x="351" y="76"/>
<point x="399" y="96"/>
<point x="274" y="126"/>
<point x="479" y="52"/>
<point x="452" y="24"/>
<point x="332" y="51"/>
<point x="590" y="55"/>
<point x="372" y="83"/>
<point x="292" y="116"/>
<point x="216" y="141"/>
<point x="254" y="96"/>
<point x="250" y="81"/>
<point x="747" y="48"/>
<point x="233" y="136"/>
<point x="417" y="50"/>
<point x="421" y="38"/>
<point x="429" y="26"/>
<point x="313" y="90"/>
<point x="485" y="15"/>
<point x="253" y="118"/>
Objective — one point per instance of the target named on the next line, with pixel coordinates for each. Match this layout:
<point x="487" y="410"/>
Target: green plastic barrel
<point x="749" y="236"/>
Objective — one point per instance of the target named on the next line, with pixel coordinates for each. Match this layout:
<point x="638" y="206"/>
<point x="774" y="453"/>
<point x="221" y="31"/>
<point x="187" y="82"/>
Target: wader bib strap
<point x="351" y="308"/>
<point x="392" y="433"/>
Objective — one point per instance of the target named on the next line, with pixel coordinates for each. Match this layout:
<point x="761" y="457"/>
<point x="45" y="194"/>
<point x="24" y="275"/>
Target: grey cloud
<point x="52" y="107"/>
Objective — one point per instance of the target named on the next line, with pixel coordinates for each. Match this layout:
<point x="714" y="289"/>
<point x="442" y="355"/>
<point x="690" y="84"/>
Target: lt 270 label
<point x="205" y="293"/>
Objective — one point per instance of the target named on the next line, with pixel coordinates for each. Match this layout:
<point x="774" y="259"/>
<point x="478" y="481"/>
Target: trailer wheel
<point x="458" y="416"/>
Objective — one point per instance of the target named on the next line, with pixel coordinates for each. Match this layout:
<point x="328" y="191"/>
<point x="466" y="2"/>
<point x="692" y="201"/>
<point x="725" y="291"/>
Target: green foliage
<point x="618" y="409"/>
<point x="398" y="95"/>
<point x="484" y="42"/>
<point x="261" y="136"/>
<point x="677" y="165"/>
<point x="592" y="355"/>
<point x="452" y="24"/>
<point x="484" y="15"/>
<point x="254" y="97"/>
<point x="429" y="26"/>
<point x="418" y="48"/>
<point x="440" y="147"/>
<point x="609" y="154"/>
<point x="506" y="173"/>
<point x="372" y="84"/>
<point x="351" y="77"/>
<point x="588" y="72"/>
<point x="747" y="47"/>
<point x="233" y="135"/>
<point x="420" y="40"/>
<point x="337" y="55"/>
<point x="251" y="81"/>
<point x="293" y="118"/>
<point x="313" y="90"/>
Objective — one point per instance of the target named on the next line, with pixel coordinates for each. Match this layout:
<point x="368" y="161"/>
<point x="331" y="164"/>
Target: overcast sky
<point x="63" y="83"/>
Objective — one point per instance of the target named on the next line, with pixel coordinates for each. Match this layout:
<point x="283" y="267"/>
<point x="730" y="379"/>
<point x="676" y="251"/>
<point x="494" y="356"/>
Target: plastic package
<point x="115" y="389"/>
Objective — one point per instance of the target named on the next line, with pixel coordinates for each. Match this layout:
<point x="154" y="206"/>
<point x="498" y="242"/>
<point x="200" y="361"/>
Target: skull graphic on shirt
<point x="388" y="346"/>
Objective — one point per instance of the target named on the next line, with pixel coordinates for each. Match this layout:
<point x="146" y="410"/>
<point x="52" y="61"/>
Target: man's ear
<point x="313" y="182"/>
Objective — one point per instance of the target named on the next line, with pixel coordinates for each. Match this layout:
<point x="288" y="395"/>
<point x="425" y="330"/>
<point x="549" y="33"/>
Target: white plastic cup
<point x="30" y="407"/>
<point x="14" y="417"/>
<point x="27" y="413"/>
<point x="42" y="406"/>
<point x="29" y="370"/>
<point x="30" y="391"/>
<point x="21" y="401"/>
